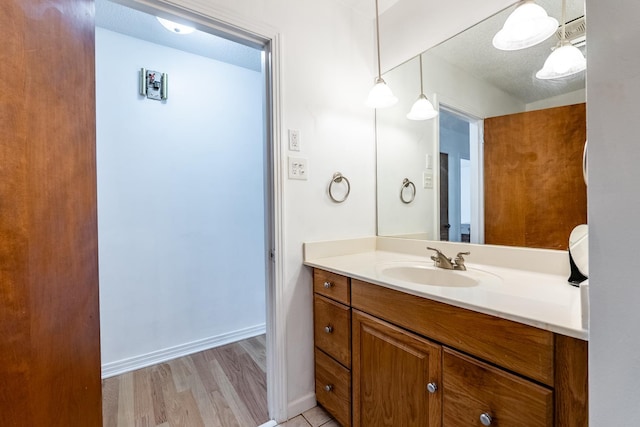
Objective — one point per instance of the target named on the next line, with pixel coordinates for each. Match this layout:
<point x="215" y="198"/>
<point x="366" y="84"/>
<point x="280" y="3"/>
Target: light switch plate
<point x="427" y="180"/>
<point x="298" y="168"/>
<point x="294" y="140"/>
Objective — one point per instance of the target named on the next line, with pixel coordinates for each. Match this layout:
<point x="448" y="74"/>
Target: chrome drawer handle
<point x="485" y="419"/>
<point x="328" y="388"/>
<point x="432" y="387"/>
<point x="328" y="285"/>
<point x="328" y="329"/>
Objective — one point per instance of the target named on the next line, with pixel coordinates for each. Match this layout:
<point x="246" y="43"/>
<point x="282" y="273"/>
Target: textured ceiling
<point x="124" y="20"/>
<point x="514" y="71"/>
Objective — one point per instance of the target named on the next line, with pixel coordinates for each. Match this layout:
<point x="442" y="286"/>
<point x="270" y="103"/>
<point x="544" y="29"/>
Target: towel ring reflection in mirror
<point x="406" y="184"/>
<point x="585" y="170"/>
<point x="337" y="179"/>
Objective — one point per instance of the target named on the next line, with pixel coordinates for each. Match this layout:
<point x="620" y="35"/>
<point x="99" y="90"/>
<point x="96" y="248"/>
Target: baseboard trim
<point x="142" y="361"/>
<point x="271" y="423"/>
<point x="301" y="405"/>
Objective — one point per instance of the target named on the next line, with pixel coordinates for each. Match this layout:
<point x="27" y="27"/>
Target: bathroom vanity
<point x="390" y="350"/>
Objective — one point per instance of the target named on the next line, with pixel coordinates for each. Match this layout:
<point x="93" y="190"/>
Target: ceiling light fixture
<point x="380" y="96"/>
<point x="566" y="59"/>
<point x="176" y="28"/>
<point x="422" y="109"/>
<point x="527" y="26"/>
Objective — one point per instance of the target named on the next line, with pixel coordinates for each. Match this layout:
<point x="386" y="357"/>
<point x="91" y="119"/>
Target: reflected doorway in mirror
<point x="461" y="193"/>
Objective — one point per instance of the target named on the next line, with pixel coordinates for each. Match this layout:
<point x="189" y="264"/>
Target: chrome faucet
<point x="440" y="260"/>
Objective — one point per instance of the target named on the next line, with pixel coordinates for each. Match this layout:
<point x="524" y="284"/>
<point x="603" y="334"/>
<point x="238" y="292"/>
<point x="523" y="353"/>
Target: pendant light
<point x="423" y="108"/>
<point x="527" y="26"/>
<point x="566" y="59"/>
<point x="174" y="27"/>
<point x="380" y="96"/>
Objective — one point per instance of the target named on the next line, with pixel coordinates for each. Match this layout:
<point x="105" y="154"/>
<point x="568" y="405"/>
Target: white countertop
<point x="539" y="299"/>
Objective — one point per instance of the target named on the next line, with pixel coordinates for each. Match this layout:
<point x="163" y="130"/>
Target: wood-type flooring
<point x="220" y="387"/>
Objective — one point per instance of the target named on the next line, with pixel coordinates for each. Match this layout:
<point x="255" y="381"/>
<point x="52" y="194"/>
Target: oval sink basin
<point x="433" y="276"/>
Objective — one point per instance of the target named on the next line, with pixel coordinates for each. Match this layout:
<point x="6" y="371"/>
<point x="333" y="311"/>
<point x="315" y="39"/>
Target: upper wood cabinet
<point x="396" y="376"/>
<point x="534" y="191"/>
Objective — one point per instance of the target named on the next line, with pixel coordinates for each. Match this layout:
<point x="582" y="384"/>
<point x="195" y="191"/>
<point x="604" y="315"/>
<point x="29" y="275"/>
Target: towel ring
<point x="406" y="184"/>
<point x="338" y="178"/>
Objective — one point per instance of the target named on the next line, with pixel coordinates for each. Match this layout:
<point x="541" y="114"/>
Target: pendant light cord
<point x="563" y="34"/>
<point x="421" y="87"/>
<point x="378" y="39"/>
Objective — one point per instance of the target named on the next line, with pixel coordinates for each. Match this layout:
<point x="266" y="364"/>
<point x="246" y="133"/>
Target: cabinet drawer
<point x="333" y="388"/>
<point x="332" y="329"/>
<point x="332" y="285"/>
<point x="517" y="347"/>
<point x="473" y="388"/>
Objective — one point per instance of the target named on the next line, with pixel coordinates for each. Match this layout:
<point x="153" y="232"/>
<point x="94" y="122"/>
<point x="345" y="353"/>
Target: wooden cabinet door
<point x="49" y="320"/>
<point x="475" y="389"/>
<point x="391" y="371"/>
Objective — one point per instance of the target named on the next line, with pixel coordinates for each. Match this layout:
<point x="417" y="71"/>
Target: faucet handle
<point x="436" y="250"/>
<point x="459" y="261"/>
<point x="440" y="259"/>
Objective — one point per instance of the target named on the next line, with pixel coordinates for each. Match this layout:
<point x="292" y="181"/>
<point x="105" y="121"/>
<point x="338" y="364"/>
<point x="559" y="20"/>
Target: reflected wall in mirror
<point x="501" y="164"/>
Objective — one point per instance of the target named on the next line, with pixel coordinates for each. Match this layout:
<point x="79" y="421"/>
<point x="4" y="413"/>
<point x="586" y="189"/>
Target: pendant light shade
<point x="422" y="109"/>
<point x="566" y="59"/>
<point x="176" y="28"/>
<point x="380" y="95"/>
<point x="527" y="26"/>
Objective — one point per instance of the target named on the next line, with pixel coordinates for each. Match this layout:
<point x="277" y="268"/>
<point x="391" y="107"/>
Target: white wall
<point x="326" y="75"/>
<point x="402" y="147"/>
<point x="613" y="90"/>
<point x="463" y="91"/>
<point x="180" y="200"/>
<point x="571" y="98"/>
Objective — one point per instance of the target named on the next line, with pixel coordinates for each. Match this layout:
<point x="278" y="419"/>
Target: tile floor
<point x="314" y="417"/>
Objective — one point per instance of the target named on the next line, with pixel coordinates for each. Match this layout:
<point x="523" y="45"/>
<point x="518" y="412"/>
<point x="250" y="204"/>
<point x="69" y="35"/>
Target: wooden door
<point x="533" y="186"/>
<point x="49" y="320"/>
<point x="391" y="371"/>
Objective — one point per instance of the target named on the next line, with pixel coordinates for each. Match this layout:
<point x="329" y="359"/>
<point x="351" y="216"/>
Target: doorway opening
<point x="186" y="209"/>
<point x="461" y="176"/>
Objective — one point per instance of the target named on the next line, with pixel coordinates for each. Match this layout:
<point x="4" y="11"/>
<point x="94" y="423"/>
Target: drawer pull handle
<point x="328" y="388"/>
<point x="432" y="387"/>
<point x="328" y="285"/>
<point x="328" y="329"/>
<point x="485" y="419"/>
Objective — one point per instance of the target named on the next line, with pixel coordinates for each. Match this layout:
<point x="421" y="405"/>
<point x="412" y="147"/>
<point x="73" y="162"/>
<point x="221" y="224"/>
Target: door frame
<point x="476" y="147"/>
<point x="218" y="21"/>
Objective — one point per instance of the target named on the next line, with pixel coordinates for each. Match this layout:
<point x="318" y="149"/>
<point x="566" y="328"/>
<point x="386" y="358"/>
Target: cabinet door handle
<point x="432" y="387"/>
<point x="328" y="388"/>
<point x="328" y="329"/>
<point x="485" y="419"/>
<point x="328" y="285"/>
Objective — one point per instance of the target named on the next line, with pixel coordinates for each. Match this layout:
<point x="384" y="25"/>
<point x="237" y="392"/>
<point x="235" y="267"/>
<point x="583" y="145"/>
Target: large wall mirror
<point x="502" y="162"/>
